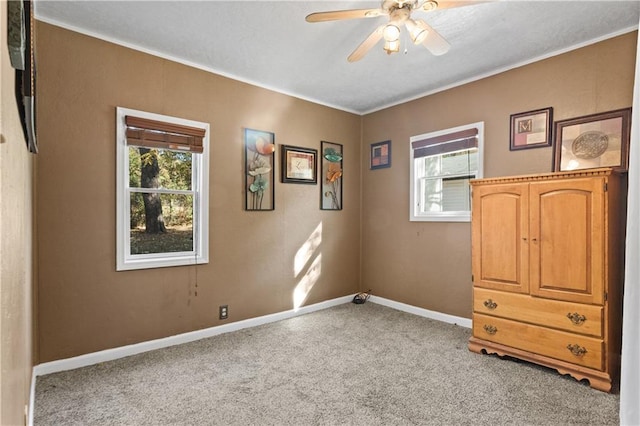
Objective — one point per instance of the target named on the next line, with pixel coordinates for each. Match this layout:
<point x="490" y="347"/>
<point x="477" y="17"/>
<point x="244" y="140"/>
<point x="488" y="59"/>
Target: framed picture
<point x="331" y="185"/>
<point x="531" y="129"/>
<point x="259" y="150"/>
<point x="298" y="164"/>
<point x="592" y="141"/>
<point x="380" y="155"/>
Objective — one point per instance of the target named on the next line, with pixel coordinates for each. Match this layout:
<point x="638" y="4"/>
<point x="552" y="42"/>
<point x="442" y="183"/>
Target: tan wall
<point x="429" y="264"/>
<point x="16" y="168"/>
<point x="85" y="305"/>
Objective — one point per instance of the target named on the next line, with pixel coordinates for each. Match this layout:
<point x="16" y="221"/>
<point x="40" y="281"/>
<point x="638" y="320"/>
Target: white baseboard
<point x="32" y="399"/>
<point x="439" y="316"/>
<point x="123" y="351"/>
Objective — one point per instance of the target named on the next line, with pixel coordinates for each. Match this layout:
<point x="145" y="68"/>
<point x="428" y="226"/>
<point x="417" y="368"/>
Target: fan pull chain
<point x="405" y="44"/>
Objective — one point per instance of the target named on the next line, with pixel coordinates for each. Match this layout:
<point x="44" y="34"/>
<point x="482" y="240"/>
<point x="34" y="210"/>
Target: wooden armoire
<point x="547" y="264"/>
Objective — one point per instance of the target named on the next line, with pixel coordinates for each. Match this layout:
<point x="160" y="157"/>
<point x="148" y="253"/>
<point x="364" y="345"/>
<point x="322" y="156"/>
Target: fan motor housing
<point x="391" y="5"/>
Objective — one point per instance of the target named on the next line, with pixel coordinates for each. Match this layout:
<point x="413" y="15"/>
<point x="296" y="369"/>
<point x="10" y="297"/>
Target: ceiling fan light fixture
<point x="392" y="46"/>
<point x="417" y="30"/>
<point x="399" y="15"/>
<point x="391" y="33"/>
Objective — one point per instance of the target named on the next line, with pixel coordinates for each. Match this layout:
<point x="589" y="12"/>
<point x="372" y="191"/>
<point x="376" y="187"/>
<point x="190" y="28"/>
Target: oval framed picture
<point x="593" y="141"/>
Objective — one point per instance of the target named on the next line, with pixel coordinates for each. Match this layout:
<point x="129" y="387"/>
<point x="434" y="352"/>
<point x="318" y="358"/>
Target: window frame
<point x="199" y="184"/>
<point x="414" y="184"/>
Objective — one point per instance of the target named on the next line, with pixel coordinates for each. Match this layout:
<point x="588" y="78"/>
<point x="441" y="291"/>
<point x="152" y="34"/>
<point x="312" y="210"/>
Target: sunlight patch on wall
<point x="307" y="250"/>
<point x="307" y="282"/>
<point x="307" y="274"/>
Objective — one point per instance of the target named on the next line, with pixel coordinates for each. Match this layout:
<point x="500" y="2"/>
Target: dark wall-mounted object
<point x="21" y="44"/>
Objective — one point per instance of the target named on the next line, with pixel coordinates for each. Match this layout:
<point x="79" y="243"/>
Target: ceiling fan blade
<point x="366" y="45"/>
<point x="436" y="44"/>
<point x="344" y="14"/>
<point x="449" y="4"/>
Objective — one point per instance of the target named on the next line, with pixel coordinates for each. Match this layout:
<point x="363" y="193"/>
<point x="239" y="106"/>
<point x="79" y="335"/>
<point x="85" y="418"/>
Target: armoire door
<point x="567" y="239"/>
<point x="500" y="228"/>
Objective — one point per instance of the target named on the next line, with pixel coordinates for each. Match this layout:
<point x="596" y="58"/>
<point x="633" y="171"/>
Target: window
<point x="162" y="191"/>
<point x="442" y="163"/>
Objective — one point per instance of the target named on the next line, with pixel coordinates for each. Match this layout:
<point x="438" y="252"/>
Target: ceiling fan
<point x="399" y="12"/>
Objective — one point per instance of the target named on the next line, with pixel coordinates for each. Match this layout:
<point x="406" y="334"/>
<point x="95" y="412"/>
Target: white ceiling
<point x="269" y="43"/>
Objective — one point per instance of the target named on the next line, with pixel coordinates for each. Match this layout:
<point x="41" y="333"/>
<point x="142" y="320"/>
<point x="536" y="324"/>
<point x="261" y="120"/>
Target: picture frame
<point x="298" y="165"/>
<point x="593" y="141"/>
<point x="331" y="172"/>
<point x="259" y="182"/>
<point x="530" y="129"/>
<point x="380" y="155"/>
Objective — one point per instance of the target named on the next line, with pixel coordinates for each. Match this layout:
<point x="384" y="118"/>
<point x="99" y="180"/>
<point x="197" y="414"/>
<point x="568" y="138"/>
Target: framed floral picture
<point x="298" y="164"/>
<point x="331" y="174"/>
<point x="592" y="141"/>
<point x="259" y="148"/>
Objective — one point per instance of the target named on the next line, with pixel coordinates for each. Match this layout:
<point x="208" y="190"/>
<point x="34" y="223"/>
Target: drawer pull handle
<point x="490" y="329"/>
<point x="577" y="350"/>
<point x="490" y="304"/>
<point x="576" y="318"/>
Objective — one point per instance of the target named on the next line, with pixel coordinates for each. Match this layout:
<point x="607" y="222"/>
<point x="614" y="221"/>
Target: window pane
<point x="161" y="223"/>
<point x="444" y="195"/>
<point x="431" y="165"/>
<point x="460" y="162"/>
<point x="455" y="195"/>
<point x="159" y="168"/>
<point x="430" y="195"/>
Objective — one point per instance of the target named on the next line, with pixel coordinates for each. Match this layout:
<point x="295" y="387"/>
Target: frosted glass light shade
<point x="391" y="32"/>
<point x="417" y="30"/>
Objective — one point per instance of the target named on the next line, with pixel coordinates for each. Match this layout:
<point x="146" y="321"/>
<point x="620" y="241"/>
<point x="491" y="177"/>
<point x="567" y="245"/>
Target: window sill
<point x="162" y="262"/>
<point x="443" y="217"/>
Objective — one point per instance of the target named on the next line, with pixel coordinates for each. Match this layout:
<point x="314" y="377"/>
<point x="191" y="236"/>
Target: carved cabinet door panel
<point x="500" y="228"/>
<point x="567" y="246"/>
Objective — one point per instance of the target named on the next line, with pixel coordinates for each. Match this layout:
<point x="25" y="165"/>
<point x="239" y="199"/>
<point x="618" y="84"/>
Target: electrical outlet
<point x="224" y="312"/>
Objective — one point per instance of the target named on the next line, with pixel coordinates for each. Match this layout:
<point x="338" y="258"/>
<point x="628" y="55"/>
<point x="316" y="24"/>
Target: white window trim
<point x="452" y="216"/>
<point x="124" y="260"/>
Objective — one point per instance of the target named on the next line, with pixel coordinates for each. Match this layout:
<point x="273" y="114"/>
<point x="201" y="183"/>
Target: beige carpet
<point x="351" y="364"/>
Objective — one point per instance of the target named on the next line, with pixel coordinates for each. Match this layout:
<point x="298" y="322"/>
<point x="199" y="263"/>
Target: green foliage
<point x="175" y="173"/>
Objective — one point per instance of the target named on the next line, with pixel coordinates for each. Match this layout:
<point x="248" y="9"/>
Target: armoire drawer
<point x="574" y="348"/>
<point x="568" y="316"/>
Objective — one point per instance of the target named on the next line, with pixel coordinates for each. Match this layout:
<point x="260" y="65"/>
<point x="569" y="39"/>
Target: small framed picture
<point x="380" y="155"/>
<point x="531" y="129"/>
<point x="299" y="165"/>
<point x="592" y="141"/>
